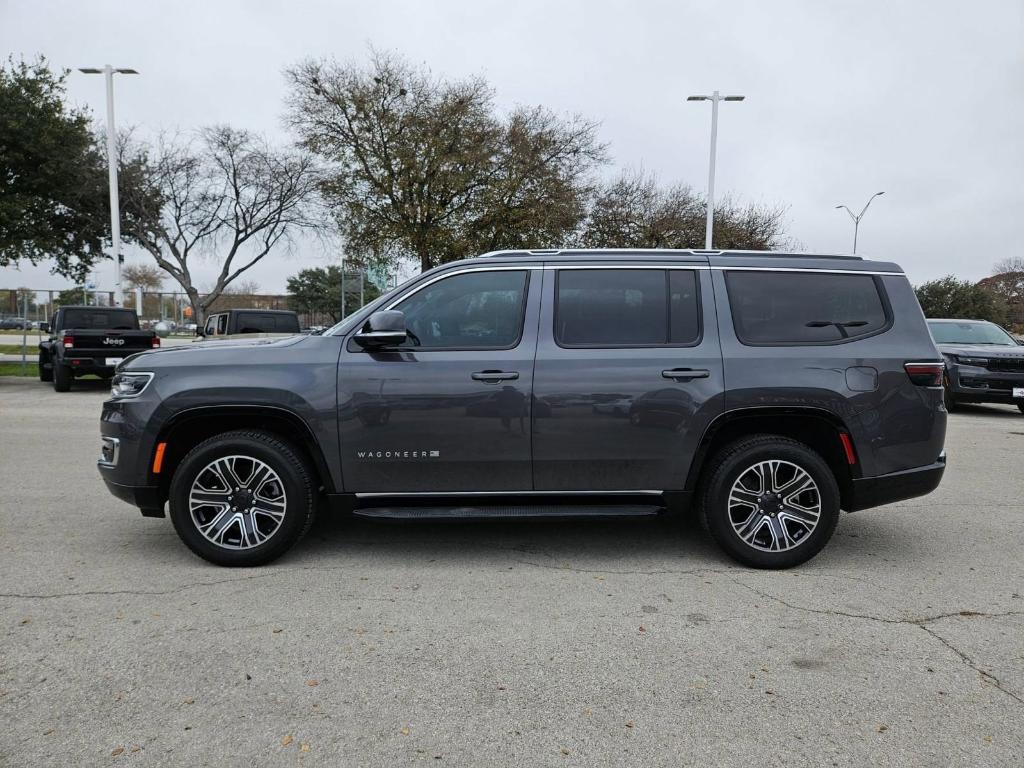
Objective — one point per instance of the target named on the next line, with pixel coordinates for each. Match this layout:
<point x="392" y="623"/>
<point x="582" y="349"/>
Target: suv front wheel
<point x="770" y="502"/>
<point x="242" y="498"/>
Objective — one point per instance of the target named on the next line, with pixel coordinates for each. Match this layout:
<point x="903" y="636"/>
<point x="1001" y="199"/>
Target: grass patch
<point x="14" y="369"/>
<point x="32" y="348"/>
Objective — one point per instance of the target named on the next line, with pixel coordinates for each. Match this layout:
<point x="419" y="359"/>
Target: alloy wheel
<point x="237" y="502"/>
<point x="774" y="505"/>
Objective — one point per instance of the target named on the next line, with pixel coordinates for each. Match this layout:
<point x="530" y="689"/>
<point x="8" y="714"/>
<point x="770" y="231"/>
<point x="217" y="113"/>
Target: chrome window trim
<point x="700" y="267"/>
<point x="455" y="272"/>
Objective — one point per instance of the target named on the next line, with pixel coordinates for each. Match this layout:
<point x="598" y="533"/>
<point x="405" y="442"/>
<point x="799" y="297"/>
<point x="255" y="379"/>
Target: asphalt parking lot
<point x="551" y="644"/>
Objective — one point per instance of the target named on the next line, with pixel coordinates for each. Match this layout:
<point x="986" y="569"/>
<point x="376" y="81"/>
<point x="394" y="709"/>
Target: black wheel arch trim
<point x="731" y="416"/>
<point x="308" y="437"/>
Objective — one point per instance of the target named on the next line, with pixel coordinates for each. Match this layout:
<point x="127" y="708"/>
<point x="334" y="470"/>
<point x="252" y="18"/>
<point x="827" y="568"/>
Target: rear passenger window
<point x="253" y="323"/>
<point x="626" y="307"/>
<point x="779" y="308"/>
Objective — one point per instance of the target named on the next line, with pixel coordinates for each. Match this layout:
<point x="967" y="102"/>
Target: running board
<point x="507" y="511"/>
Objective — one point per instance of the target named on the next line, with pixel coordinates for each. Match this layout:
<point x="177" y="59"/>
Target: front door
<point x="449" y="410"/>
<point x="628" y="376"/>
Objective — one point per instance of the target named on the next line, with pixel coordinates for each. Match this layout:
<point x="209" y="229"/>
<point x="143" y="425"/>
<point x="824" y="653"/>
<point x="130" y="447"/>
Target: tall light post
<point x="856" y="218"/>
<point x="714" y="98"/>
<point x="115" y="209"/>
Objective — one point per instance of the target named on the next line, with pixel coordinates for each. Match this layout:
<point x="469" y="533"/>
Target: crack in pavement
<point x="921" y="622"/>
<point x="986" y="676"/>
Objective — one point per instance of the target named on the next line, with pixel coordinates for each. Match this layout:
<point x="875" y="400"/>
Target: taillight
<point x="925" y="374"/>
<point x="69" y="341"/>
<point x="155" y="342"/>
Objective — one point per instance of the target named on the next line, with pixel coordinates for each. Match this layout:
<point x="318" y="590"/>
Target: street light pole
<point x="115" y="209"/>
<point x="857" y="217"/>
<point x="714" y="98"/>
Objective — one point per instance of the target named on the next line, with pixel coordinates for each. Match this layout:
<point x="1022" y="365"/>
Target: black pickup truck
<point x="90" y="340"/>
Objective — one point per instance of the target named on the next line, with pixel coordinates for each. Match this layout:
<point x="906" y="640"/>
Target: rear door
<point x="628" y="375"/>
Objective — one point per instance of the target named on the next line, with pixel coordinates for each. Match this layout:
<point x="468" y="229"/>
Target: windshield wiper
<point x="841" y="327"/>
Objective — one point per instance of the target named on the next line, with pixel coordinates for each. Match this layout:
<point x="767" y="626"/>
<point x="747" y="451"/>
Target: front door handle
<point x="493" y="377"/>
<point x="685" y="374"/>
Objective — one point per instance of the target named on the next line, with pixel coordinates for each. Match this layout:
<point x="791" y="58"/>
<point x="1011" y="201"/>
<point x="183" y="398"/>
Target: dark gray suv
<point x="768" y="391"/>
<point x="984" y="364"/>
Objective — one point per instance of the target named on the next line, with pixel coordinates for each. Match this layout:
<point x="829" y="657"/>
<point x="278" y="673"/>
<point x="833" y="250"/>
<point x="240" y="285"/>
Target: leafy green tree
<point x="72" y="297"/>
<point x="52" y="179"/>
<point x="53" y="174"/>
<point x="425" y="168"/>
<point x="955" y="298"/>
<point x="319" y="290"/>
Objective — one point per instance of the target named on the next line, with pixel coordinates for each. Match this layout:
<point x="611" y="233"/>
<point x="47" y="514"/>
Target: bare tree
<point x="148" y="277"/>
<point x="634" y="211"/>
<point x="226" y="195"/>
<point x="1009" y="264"/>
<point x="425" y="168"/>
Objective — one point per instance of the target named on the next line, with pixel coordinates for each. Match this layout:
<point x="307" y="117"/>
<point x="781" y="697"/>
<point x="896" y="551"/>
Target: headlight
<point x="129" y="384"/>
<point x="981" y="362"/>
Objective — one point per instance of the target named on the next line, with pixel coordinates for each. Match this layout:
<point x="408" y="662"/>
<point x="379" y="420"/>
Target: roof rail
<point x="690" y="251"/>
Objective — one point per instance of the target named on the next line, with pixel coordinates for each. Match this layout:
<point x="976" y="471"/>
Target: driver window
<point x="474" y="310"/>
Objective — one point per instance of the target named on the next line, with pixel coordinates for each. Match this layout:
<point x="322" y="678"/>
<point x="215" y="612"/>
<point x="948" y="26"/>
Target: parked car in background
<point x="90" y="340"/>
<point x="14" y="323"/>
<point x="767" y="390"/>
<point x="984" y="363"/>
<point x="250" y="323"/>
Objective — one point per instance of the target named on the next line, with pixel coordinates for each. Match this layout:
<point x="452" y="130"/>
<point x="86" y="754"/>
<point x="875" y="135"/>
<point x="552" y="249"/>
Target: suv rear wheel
<point x="770" y="502"/>
<point x="242" y="498"/>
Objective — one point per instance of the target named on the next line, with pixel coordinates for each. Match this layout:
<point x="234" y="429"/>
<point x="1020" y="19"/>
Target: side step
<point x="497" y="511"/>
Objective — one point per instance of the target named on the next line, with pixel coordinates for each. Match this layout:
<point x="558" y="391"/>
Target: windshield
<point x="969" y="333"/>
<point x="103" y="319"/>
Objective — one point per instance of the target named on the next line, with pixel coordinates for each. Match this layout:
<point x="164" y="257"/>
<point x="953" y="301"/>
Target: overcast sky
<point x="924" y="100"/>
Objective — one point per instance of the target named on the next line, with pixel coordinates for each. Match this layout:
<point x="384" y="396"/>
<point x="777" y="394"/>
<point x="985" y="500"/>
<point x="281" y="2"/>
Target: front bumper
<point x="971" y="384"/>
<point x="147" y="498"/>
<point x="126" y="447"/>
<point x="867" y="492"/>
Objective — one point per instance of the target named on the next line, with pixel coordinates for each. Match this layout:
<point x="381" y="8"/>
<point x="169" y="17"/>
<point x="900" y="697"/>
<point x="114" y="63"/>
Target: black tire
<point x="284" y="459"/>
<point x="61" y="378"/>
<point x="947" y="399"/>
<point x="1021" y="407"/>
<point x="45" y="373"/>
<point x="736" y="459"/>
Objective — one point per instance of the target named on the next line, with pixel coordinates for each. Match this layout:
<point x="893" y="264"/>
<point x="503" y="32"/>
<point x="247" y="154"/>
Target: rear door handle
<point x="493" y="377"/>
<point x="684" y="374"/>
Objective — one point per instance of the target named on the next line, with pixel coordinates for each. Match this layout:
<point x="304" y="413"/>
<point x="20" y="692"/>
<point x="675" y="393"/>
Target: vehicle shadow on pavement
<point x="676" y="537"/>
<point x="988" y="409"/>
<point x="646" y="543"/>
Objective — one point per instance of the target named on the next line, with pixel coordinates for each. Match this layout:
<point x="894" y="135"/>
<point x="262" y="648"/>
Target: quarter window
<point x="626" y="307"/>
<point x="779" y="308"/>
<point x="474" y="310"/>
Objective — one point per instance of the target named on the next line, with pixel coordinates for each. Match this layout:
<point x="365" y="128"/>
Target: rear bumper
<point x="147" y="498"/>
<point x="870" y="492"/>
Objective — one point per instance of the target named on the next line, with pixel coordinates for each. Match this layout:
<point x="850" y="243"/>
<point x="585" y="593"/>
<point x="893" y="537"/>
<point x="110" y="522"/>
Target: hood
<point x="982" y="350"/>
<point x="208" y="349"/>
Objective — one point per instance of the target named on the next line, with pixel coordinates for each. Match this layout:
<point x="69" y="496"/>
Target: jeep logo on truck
<point x="112" y="341"/>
